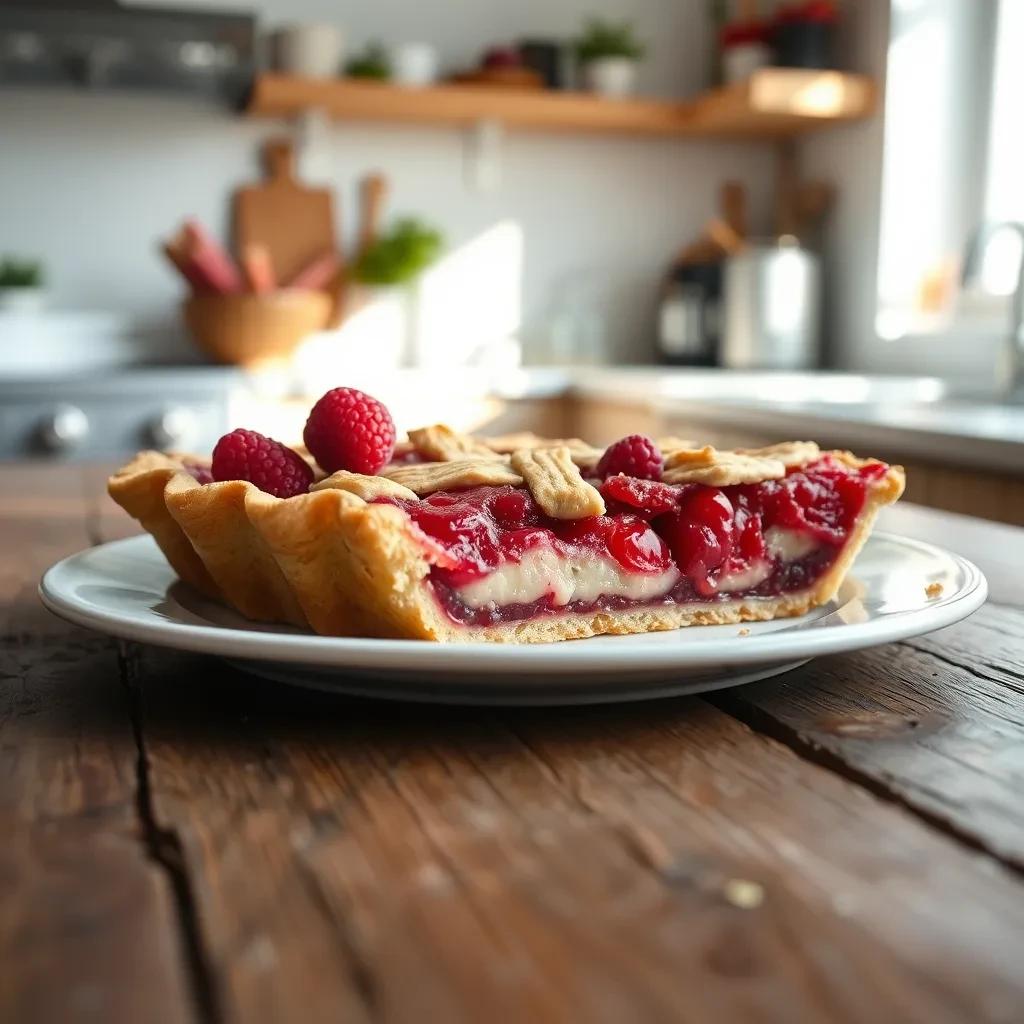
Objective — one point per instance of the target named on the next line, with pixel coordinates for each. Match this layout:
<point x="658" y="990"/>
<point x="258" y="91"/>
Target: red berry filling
<point x="649" y="496"/>
<point x="720" y="542"/>
<point x="203" y="474"/>
<point x="700" y="534"/>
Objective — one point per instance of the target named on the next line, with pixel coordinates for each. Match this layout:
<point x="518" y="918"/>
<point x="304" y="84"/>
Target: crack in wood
<point x="163" y="847"/>
<point x="972" y="668"/>
<point x="806" y="748"/>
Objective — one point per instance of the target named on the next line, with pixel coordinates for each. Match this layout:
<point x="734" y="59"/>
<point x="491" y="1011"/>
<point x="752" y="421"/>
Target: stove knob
<point x="175" y="428"/>
<point x="64" y="429"/>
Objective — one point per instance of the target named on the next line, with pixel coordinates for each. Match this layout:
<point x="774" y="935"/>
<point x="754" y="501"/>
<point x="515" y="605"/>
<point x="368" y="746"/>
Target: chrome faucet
<point x="1010" y="367"/>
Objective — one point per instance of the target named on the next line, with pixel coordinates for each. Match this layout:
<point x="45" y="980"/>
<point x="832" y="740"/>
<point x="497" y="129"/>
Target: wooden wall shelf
<point x="776" y="103"/>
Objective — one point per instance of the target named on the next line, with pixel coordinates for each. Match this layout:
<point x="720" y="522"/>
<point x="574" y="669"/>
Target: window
<point x="953" y="158"/>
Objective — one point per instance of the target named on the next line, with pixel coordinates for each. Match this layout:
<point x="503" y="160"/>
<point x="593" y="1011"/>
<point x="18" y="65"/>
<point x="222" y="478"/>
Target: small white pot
<point x="311" y="50"/>
<point x="415" y="64"/>
<point x="610" y="76"/>
<point x="741" y="61"/>
<point x="22" y="300"/>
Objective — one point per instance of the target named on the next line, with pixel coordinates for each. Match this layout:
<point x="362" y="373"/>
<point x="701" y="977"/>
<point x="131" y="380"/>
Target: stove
<point x="112" y="415"/>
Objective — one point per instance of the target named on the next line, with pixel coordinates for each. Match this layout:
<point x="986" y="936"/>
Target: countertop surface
<point x="183" y="842"/>
<point x="920" y="416"/>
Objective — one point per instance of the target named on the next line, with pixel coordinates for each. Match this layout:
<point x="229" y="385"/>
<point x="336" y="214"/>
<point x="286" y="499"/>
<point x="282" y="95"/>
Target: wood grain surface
<point x="188" y="843"/>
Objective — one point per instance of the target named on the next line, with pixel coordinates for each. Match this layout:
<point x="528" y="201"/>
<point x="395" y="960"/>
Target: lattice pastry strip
<point x="716" y="468"/>
<point x="369" y="488"/>
<point x="556" y="484"/>
<point x="427" y="477"/>
<point x="584" y="455"/>
<point x="440" y="443"/>
<point x="789" y="453"/>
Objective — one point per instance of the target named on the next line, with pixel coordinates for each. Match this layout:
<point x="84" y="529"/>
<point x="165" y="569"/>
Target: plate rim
<point x="356" y="652"/>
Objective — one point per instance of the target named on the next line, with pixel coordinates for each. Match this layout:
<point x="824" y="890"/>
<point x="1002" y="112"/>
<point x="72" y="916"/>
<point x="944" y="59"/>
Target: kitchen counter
<point x="187" y="843"/>
<point x="911" y="418"/>
<point x="917" y="416"/>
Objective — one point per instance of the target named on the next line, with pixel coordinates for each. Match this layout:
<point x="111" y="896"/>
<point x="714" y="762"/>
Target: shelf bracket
<point x="481" y="155"/>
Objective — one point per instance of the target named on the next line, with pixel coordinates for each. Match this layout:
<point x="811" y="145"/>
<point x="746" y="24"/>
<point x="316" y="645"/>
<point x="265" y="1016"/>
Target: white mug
<point x="312" y="50"/>
<point x="414" y="64"/>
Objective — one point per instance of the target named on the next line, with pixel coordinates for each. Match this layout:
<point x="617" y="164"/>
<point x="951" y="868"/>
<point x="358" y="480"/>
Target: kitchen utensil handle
<point x="279" y="157"/>
<point x="785" y="190"/>
<point x="373" y="193"/>
<point x="734" y="207"/>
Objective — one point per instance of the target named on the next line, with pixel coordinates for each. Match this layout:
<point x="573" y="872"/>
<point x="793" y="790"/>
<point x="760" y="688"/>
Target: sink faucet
<point x="1010" y="368"/>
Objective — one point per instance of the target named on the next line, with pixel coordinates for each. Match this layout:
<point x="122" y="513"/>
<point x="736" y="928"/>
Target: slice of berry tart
<point x="446" y="536"/>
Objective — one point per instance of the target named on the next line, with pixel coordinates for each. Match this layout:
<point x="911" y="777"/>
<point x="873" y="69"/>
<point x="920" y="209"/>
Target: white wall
<point x="89" y="183"/>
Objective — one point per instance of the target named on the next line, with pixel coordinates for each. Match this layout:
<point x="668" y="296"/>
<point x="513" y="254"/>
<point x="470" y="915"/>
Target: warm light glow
<point x="463" y="309"/>
<point x="471" y="299"/>
<point x="822" y="98"/>
<point x="826" y="95"/>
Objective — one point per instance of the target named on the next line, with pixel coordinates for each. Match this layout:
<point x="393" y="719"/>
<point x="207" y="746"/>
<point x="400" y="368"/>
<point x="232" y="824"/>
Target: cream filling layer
<point x="783" y="545"/>
<point x="788" y="545"/>
<point x="542" y="572"/>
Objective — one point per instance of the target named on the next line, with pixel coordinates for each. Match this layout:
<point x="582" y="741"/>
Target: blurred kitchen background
<point x="731" y="221"/>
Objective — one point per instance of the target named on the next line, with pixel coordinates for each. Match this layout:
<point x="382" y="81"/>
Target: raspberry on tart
<point x="634" y="456"/>
<point x="349" y="430"/>
<point x="468" y="541"/>
<point x="270" y="465"/>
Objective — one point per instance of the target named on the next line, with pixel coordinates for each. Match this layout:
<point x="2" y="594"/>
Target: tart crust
<point x="329" y="561"/>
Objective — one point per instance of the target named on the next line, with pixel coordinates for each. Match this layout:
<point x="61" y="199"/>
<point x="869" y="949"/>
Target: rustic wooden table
<point x="182" y="842"/>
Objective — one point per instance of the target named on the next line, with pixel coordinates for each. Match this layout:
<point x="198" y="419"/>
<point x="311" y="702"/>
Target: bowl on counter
<point x="254" y="329"/>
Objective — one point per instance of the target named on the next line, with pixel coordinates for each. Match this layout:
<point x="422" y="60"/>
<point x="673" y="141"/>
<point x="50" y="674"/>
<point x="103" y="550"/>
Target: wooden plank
<point x="655" y="862"/>
<point x="936" y="723"/>
<point x="775" y="103"/>
<point x="88" y="924"/>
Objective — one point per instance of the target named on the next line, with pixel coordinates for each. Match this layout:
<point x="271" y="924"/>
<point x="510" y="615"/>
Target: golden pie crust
<point x="332" y="562"/>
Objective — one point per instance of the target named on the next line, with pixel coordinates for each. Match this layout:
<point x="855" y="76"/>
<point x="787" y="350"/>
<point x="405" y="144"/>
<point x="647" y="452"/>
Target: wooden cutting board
<point x="293" y="222"/>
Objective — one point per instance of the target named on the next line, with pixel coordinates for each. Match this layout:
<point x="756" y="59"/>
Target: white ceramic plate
<point x="127" y="589"/>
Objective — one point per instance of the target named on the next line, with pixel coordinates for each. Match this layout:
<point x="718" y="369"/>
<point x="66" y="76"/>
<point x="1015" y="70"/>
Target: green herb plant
<point x="608" y="39"/>
<point x="373" y="62"/>
<point x="399" y="255"/>
<point x="15" y="273"/>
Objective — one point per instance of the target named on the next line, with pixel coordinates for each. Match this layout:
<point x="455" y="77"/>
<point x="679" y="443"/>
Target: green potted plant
<point x="389" y="269"/>
<point x="372" y="63"/>
<point x="21" y="285"/>
<point x="608" y="53"/>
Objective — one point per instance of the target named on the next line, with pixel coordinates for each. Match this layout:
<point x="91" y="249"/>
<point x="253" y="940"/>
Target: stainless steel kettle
<point x="771" y="307"/>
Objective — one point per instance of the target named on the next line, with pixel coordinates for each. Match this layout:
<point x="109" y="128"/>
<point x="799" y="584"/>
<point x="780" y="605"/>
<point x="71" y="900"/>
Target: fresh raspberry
<point x="650" y="496"/>
<point x="635" y="455"/>
<point x="349" y="430"/>
<point x="270" y="465"/>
